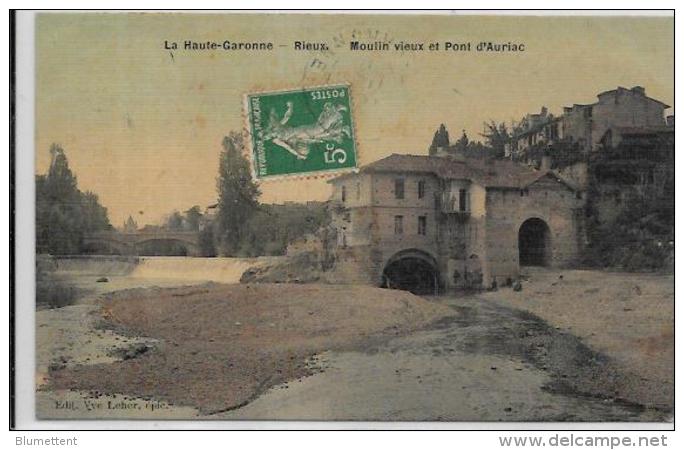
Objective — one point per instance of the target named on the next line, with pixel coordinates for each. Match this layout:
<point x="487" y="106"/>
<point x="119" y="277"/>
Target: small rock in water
<point x="103" y="280"/>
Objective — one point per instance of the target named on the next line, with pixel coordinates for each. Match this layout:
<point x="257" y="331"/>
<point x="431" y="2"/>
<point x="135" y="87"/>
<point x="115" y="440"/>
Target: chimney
<point x="639" y="90"/>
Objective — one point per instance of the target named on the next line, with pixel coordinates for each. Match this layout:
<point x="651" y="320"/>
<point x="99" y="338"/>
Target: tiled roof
<point x="494" y="173"/>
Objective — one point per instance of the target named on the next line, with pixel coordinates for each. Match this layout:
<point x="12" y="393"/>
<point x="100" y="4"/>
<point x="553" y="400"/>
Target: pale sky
<point x="142" y="128"/>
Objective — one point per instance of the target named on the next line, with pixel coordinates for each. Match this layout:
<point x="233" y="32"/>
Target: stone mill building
<point x="430" y="223"/>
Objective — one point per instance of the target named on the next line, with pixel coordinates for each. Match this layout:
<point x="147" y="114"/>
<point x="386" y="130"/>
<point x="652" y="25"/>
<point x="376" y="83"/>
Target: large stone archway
<point x="412" y="270"/>
<point x="534" y="243"/>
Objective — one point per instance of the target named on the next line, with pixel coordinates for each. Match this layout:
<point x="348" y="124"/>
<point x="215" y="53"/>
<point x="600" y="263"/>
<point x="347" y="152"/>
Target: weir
<point x="220" y="270"/>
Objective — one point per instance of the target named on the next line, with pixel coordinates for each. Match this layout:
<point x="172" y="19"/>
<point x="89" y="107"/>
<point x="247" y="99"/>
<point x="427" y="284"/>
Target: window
<point x="462" y="200"/>
<point x="398" y="224"/>
<point x="422" y="225"/>
<point x="344" y="194"/>
<point x="421" y="188"/>
<point x="399" y="188"/>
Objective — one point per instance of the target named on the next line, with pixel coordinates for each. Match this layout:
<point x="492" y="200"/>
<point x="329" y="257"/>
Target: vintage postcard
<point x="378" y="217"/>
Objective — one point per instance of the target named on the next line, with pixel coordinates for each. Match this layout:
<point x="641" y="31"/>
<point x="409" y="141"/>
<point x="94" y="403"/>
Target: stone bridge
<point x="115" y="242"/>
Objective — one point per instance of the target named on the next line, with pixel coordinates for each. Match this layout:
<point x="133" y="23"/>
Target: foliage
<point x="189" y="220"/>
<point x="243" y="226"/>
<point x="238" y="195"/>
<point x="175" y="222"/>
<point x="207" y="241"/>
<point x="440" y="140"/>
<point x="641" y="235"/>
<point x="273" y="227"/>
<point x="495" y="138"/>
<point x="193" y="218"/>
<point x="64" y="213"/>
<point x="53" y="292"/>
<point x="639" y="238"/>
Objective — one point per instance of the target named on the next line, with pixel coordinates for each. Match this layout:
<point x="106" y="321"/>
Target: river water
<point x="101" y="274"/>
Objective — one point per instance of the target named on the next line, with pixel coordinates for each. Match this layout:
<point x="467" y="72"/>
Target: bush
<point x="51" y="292"/>
<point x="640" y="238"/>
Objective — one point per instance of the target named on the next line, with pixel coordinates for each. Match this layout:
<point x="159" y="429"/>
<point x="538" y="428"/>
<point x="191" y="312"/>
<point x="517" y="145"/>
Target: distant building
<point x="130" y="225"/>
<point x="428" y="222"/>
<point x="535" y="129"/>
<point x="586" y="125"/>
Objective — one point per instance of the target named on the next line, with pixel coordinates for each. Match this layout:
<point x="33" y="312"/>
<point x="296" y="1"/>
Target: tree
<point x="94" y="214"/>
<point x="64" y="213"/>
<point x="238" y="194"/>
<point x="175" y="221"/>
<point x="462" y="144"/>
<point x="273" y="227"/>
<point x="207" y="243"/>
<point x="193" y="216"/>
<point x="496" y="137"/>
<point x="440" y="140"/>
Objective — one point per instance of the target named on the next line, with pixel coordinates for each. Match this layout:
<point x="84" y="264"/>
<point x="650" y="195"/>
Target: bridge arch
<point x="157" y="243"/>
<point x="412" y="270"/>
<point x="103" y="247"/>
<point x="165" y="246"/>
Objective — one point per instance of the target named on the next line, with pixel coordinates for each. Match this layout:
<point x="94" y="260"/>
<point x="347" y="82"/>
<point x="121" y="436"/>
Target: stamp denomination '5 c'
<point x="301" y="132"/>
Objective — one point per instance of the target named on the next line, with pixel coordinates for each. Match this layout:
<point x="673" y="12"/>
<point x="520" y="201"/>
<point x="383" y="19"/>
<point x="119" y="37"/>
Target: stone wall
<point x="472" y="248"/>
<point x="548" y="200"/>
<point x="462" y="243"/>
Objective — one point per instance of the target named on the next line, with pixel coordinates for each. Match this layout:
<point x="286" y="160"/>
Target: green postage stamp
<point x="301" y="132"/>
